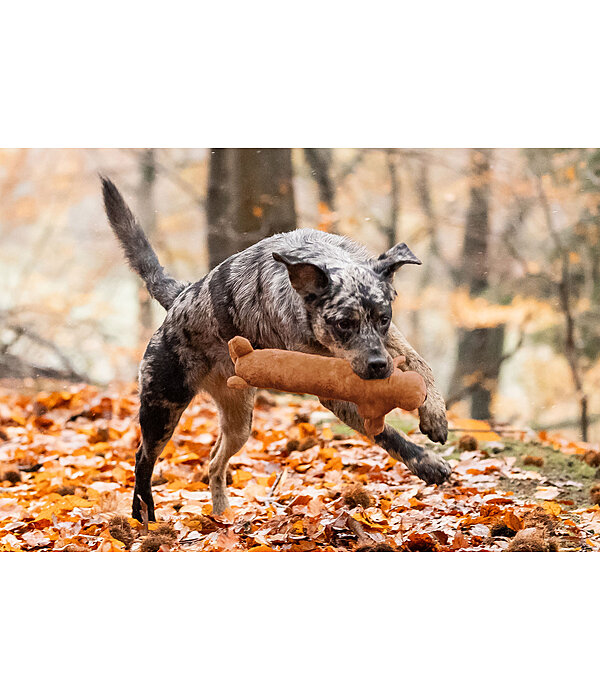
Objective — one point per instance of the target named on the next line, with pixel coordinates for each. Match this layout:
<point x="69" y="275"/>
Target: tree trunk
<point x="392" y="231"/>
<point x="147" y="213"/>
<point x="480" y="349"/>
<point x="250" y="197"/>
<point x="430" y="260"/>
<point x="319" y="162"/>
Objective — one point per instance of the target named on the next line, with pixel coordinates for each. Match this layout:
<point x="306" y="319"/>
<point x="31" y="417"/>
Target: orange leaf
<point x="512" y="521"/>
<point x="552" y="507"/>
<point x="240" y="478"/>
<point x="480" y="428"/>
<point x="306" y="429"/>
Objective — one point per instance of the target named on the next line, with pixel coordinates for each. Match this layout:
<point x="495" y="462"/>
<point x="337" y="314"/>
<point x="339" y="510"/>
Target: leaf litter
<point x="302" y="483"/>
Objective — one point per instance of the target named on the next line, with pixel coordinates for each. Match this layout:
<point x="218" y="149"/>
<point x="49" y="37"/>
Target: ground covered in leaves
<point x="302" y="483"/>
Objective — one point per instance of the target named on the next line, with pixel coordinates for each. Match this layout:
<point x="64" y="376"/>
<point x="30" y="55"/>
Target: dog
<point x="305" y="290"/>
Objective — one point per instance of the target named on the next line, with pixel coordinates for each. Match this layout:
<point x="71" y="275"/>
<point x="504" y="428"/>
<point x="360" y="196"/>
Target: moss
<point x="554" y="462"/>
<point x="401" y="422"/>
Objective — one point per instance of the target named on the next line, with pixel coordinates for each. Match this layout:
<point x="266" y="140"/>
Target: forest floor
<point x="303" y="482"/>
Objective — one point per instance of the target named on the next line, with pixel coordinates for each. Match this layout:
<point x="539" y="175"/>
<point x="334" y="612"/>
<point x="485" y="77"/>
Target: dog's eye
<point x="345" y="324"/>
<point x="384" y="320"/>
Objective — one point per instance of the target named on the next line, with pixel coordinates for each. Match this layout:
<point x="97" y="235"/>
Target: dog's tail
<point x="137" y="248"/>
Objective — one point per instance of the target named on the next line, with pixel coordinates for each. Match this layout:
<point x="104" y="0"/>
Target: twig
<point x="173" y="175"/>
<point x="276" y="483"/>
<point x="32" y="335"/>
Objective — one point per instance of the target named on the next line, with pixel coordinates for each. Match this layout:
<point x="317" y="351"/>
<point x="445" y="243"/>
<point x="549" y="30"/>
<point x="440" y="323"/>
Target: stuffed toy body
<point x="327" y="378"/>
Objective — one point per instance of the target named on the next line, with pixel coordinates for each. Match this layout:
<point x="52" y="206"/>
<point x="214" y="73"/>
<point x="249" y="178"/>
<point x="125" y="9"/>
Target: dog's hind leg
<point x="235" y="422"/>
<point x="166" y="389"/>
<point x="158" y="419"/>
<point x="421" y="462"/>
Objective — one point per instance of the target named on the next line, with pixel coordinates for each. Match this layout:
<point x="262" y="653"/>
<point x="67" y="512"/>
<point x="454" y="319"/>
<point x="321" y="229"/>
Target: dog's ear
<point x="387" y="263"/>
<point x="306" y="278"/>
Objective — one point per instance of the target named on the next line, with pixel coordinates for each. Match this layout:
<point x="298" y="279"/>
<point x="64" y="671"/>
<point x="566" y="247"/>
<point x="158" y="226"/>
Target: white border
<point x="443" y="74"/>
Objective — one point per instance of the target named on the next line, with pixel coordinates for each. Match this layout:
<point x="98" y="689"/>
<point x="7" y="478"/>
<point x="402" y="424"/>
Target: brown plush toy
<point x="327" y="378"/>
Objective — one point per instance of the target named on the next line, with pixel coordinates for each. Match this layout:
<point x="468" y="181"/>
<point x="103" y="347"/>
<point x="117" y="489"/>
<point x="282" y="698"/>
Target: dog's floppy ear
<point x="306" y="278"/>
<point x="387" y="263"/>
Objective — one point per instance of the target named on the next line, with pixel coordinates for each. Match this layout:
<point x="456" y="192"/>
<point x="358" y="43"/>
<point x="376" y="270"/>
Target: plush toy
<point x="327" y="378"/>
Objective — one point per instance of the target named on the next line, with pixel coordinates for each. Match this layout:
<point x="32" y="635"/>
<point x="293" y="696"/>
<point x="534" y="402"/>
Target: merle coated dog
<point x="305" y="290"/>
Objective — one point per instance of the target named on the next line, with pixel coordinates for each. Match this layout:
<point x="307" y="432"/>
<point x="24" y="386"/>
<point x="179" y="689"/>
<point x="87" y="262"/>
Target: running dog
<point x="305" y="290"/>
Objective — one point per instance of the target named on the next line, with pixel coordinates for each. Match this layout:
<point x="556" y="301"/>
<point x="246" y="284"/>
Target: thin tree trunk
<point x="319" y="162"/>
<point x="564" y="290"/>
<point x="147" y="212"/>
<point x="250" y="197"/>
<point x="423" y="190"/>
<point x="479" y="350"/>
<point x="564" y="294"/>
<point x="393" y="229"/>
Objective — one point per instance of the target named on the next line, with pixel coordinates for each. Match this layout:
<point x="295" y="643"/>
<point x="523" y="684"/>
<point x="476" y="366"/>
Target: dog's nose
<point x="377" y="366"/>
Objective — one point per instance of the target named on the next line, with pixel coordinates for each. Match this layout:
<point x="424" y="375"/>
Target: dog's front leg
<point x="421" y="462"/>
<point x="432" y="414"/>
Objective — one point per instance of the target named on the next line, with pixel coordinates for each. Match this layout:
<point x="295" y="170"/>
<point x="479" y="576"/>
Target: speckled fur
<point x="305" y="290"/>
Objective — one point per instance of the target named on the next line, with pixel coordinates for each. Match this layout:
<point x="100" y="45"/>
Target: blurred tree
<point x="479" y="353"/>
<point x="418" y="166"/>
<point x="319" y="161"/>
<point x="392" y="230"/>
<point x="250" y="197"/>
<point x="147" y="213"/>
<point x="571" y="169"/>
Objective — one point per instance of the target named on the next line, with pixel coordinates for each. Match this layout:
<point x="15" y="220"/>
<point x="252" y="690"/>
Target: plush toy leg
<point x="399" y="361"/>
<point x="237" y="383"/>
<point x="373" y="426"/>
<point x="238" y="347"/>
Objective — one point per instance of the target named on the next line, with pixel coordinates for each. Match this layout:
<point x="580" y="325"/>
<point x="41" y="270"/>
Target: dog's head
<point x="350" y="307"/>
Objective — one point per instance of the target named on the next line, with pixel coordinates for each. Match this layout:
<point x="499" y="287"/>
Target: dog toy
<point x="327" y="378"/>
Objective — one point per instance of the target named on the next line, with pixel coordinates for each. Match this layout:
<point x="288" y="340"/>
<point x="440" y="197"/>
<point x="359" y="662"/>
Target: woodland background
<point x="505" y="306"/>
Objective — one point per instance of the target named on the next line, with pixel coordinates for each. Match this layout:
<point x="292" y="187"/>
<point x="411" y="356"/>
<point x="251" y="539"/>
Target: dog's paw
<point x="136" y="508"/>
<point x="430" y="467"/>
<point x="220" y="503"/>
<point x="433" y="422"/>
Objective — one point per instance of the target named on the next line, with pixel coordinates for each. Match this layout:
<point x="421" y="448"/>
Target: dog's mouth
<point x="375" y="370"/>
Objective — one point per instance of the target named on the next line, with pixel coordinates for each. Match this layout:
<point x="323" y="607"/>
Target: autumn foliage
<point x="300" y="484"/>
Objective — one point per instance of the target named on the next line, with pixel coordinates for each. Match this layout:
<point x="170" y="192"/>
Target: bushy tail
<point x="137" y="248"/>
